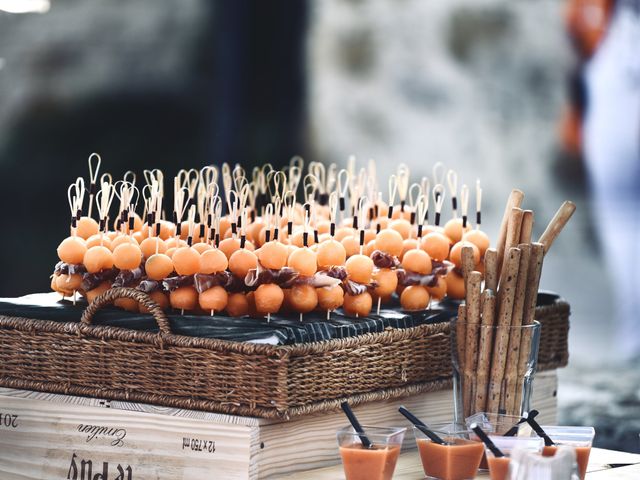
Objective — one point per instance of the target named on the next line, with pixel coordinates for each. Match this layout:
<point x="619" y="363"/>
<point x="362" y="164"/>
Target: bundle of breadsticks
<point x="493" y="361"/>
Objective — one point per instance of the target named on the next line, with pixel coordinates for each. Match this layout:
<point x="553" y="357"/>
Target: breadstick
<point x="527" y="227"/>
<point x="484" y="349"/>
<point x="491" y="269"/>
<point x="501" y="344"/>
<point x="515" y="200"/>
<point x="556" y="224"/>
<point x="513" y="234"/>
<point x="461" y="337"/>
<point x="511" y="374"/>
<point x="471" y="340"/>
<point x="468" y="266"/>
<point x="534" y="273"/>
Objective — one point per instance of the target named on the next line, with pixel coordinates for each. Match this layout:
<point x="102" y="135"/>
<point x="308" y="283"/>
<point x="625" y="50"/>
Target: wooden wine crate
<point x="50" y="437"/>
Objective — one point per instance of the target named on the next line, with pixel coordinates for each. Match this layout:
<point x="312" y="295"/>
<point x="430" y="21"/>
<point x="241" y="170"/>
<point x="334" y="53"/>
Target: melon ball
<point x="414" y="297"/>
<point x="303" y="298"/>
<point x="152" y="245"/>
<point x="269" y="298"/>
<point x="127" y="256"/>
<point x="389" y="241"/>
<point x="86" y="227"/>
<point x="214" y="298"/>
<point x="184" y="298"/>
<point x="456" y="253"/>
<point x="98" y="258"/>
<point x="359" y="268"/>
<point x="455" y="286"/>
<point x="479" y="239"/>
<point x="158" y="266"/>
<point x="242" y="261"/>
<point x="330" y="253"/>
<point x="453" y="229"/>
<point x="357" y="305"/>
<point x="418" y="261"/>
<point x="237" y="305"/>
<point x="186" y="261"/>
<point x="213" y="261"/>
<point x="273" y="255"/>
<point x="72" y="250"/>
<point x="387" y="281"/>
<point x="303" y="261"/>
<point x="436" y="245"/>
<point x="330" y="298"/>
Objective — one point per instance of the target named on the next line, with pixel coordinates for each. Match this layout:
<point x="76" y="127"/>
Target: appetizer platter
<point x="278" y="241"/>
<point x="256" y="294"/>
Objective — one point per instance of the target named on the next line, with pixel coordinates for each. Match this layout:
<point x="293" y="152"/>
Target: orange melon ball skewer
<point x="456" y="253"/>
<point x="127" y="256"/>
<point x="436" y="245"/>
<point x="72" y="250"/>
<point x="242" y="261"/>
<point x="359" y="268"/>
<point x="186" y="261"/>
<point x="213" y="299"/>
<point x="158" y="266"/>
<point x="184" y="298"/>
<point x="357" y="305"/>
<point x="213" y="261"/>
<point x="414" y="298"/>
<point x="418" y="261"/>
<point x="268" y="298"/>
<point x="304" y="261"/>
<point x="331" y="253"/>
<point x="98" y="258"/>
<point x="152" y="245"/>
<point x="237" y="305"/>
<point x="330" y="298"/>
<point x="86" y="227"/>
<point x="303" y="299"/>
<point x="389" y="241"/>
<point x="273" y="255"/>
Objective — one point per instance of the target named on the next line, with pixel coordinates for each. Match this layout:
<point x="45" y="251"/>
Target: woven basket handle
<point x="142" y="298"/>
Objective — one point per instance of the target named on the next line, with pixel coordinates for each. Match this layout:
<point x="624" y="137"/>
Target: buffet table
<point x="409" y="467"/>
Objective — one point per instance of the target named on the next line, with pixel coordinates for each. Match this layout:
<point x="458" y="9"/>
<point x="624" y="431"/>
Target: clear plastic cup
<point x="459" y="459"/>
<point x="499" y="467"/>
<point x="580" y="438"/>
<point x="496" y="424"/>
<point x="376" y="462"/>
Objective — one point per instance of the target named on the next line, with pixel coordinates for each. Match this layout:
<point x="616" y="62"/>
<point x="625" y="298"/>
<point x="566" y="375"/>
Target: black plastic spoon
<point x="420" y="425"/>
<point x="366" y="443"/>
<point x="539" y="431"/>
<point x="486" y="440"/>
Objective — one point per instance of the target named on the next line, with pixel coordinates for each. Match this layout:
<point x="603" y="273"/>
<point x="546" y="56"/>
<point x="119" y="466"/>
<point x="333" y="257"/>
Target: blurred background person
<point x="602" y="126"/>
<point x="611" y="139"/>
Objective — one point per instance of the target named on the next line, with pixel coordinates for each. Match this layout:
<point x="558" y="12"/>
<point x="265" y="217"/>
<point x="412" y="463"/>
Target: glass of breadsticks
<point x="495" y="336"/>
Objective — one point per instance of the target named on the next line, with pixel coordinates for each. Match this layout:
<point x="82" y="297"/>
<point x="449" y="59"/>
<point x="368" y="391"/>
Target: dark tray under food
<point x="280" y="330"/>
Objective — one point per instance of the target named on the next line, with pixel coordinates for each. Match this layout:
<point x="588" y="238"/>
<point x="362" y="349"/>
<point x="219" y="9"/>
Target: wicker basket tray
<point x="231" y="377"/>
<point x="553" y="313"/>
